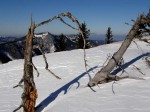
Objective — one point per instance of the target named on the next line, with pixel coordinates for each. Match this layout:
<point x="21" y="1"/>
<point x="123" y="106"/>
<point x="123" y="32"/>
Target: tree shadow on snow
<point x="124" y="66"/>
<point x="64" y="88"/>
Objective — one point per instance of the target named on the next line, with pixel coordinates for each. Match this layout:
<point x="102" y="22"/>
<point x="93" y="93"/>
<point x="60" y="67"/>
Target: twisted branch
<point x="79" y="28"/>
<point x="29" y="86"/>
<point x="46" y="63"/>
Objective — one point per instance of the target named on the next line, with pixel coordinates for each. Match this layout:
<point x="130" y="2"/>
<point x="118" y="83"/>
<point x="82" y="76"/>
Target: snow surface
<point x="70" y="94"/>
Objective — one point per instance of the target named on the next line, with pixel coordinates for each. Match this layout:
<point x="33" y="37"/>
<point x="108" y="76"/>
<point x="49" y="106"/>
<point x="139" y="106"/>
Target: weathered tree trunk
<point x="104" y="74"/>
<point x="29" y="95"/>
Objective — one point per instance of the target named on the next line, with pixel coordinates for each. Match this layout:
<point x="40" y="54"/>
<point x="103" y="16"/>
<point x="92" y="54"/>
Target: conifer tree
<point x="86" y="33"/>
<point x="62" y="42"/>
<point x="109" y="36"/>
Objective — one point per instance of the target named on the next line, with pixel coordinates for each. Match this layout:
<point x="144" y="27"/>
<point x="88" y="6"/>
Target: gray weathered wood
<point x="104" y="74"/>
<point x="29" y="94"/>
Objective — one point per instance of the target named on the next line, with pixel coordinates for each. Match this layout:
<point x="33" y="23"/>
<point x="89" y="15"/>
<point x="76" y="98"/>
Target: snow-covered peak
<point x="42" y="35"/>
<point x="47" y="41"/>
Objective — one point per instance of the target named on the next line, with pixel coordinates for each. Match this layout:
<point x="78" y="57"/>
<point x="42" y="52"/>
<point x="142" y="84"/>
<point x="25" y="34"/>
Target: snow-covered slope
<point x="71" y="94"/>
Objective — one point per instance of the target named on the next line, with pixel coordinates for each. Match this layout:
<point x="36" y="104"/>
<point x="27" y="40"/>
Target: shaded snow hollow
<point x="71" y="94"/>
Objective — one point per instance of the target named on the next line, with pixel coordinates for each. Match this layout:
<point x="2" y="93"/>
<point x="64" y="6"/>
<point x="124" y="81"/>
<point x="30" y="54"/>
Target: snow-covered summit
<point x="42" y="35"/>
<point x="46" y="40"/>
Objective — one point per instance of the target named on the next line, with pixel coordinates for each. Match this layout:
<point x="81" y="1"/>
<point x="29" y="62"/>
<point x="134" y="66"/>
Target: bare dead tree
<point x="104" y="74"/>
<point x="79" y="28"/>
<point x="30" y="94"/>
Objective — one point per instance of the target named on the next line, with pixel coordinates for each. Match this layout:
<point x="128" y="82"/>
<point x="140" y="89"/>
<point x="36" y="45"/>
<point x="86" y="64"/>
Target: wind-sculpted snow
<point x="71" y="94"/>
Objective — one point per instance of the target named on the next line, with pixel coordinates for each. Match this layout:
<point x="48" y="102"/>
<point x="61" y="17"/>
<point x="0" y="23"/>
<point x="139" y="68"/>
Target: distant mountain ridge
<point x="12" y="48"/>
<point x="6" y="39"/>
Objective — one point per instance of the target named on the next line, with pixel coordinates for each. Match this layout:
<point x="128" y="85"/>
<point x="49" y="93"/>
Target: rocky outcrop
<point x="14" y="49"/>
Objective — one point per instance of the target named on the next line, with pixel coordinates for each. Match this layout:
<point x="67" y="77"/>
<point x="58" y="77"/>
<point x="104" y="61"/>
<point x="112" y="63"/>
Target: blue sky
<point x="98" y="15"/>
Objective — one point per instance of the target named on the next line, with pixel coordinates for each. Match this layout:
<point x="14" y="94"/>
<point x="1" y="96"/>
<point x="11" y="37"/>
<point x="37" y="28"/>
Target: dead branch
<point x="35" y="69"/>
<point x="18" y="108"/>
<point x="29" y="94"/>
<point x="147" y="61"/>
<point x="113" y="87"/>
<point x="103" y="75"/>
<point x="138" y="69"/>
<point x="67" y="23"/>
<point x="19" y="84"/>
<point x="46" y="63"/>
<point x="108" y="57"/>
<point x="70" y="16"/>
<point x="145" y="40"/>
<point x="138" y="46"/>
<point x="117" y="78"/>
